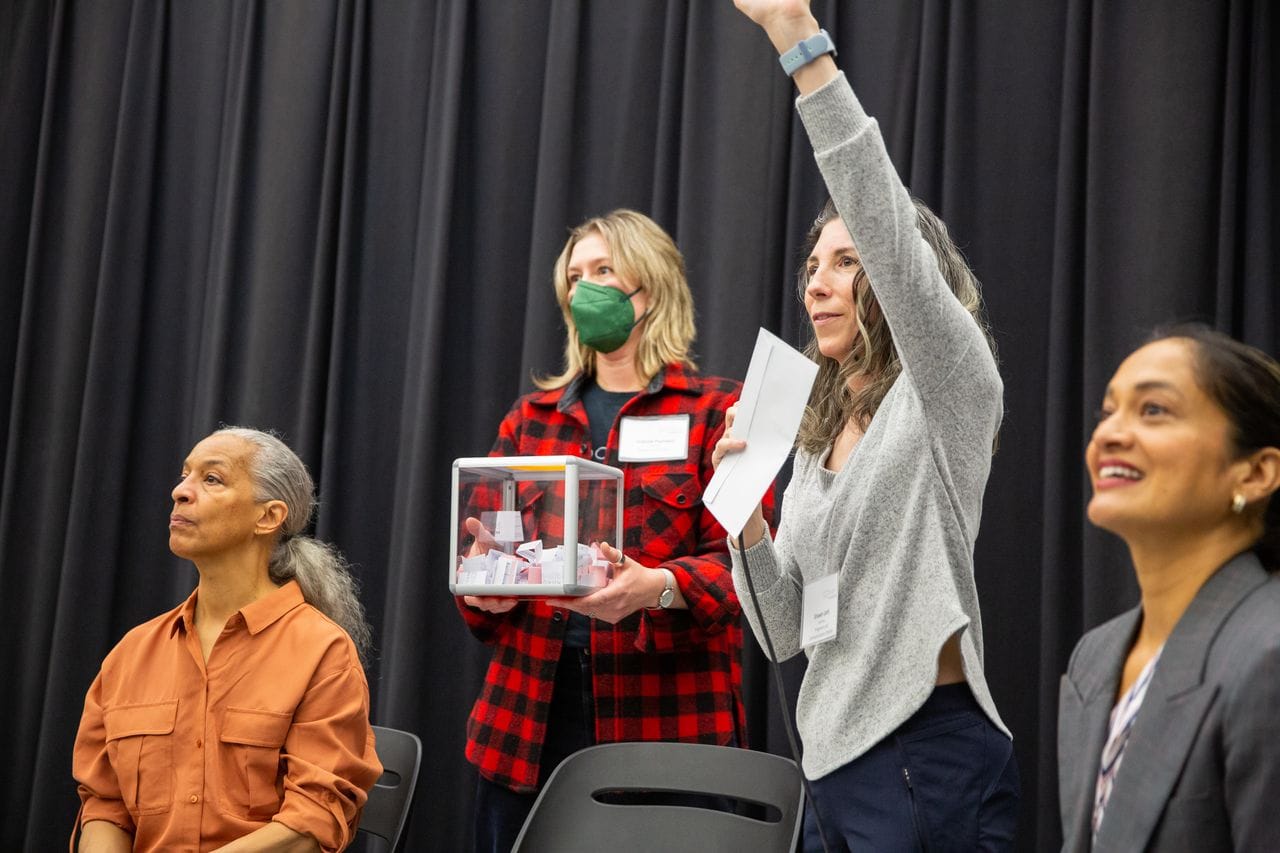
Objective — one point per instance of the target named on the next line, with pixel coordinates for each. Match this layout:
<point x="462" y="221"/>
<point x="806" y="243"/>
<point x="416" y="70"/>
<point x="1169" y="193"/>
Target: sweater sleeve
<point x="704" y="575"/>
<point x="940" y="345"/>
<point x="775" y="574"/>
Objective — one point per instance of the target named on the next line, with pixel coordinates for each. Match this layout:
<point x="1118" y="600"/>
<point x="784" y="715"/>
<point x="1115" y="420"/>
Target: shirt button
<point x="681" y="499"/>
<point x="557" y="616"/>
<point x="194" y="798"/>
<point x="199" y="743"/>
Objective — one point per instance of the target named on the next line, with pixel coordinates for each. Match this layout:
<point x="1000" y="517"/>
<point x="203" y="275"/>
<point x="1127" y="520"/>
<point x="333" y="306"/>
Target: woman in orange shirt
<point x="239" y="720"/>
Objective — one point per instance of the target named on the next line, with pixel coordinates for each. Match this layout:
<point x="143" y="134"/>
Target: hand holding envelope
<point x="767" y="417"/>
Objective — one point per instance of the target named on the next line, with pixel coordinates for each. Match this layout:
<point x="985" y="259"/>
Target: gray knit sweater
<point x="898" y="522"/>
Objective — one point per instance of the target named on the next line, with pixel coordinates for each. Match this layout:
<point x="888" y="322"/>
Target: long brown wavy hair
<point x="832" y="404"/>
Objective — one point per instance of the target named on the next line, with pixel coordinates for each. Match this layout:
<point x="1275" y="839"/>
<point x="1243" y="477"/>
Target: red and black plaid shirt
<point x="658" y="674"/>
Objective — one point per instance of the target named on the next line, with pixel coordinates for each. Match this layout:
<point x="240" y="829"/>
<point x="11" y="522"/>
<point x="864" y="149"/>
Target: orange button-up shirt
<point x="187" y="755"/>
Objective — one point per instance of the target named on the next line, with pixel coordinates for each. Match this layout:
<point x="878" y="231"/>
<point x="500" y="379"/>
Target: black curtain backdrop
<point x="337" y="218"/>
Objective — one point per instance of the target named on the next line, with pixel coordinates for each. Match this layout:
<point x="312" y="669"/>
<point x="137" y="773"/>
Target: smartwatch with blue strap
<point x="807" y="51"/>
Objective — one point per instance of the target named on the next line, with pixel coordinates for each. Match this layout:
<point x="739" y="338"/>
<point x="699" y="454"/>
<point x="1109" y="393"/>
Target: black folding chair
<point x="387" y="810"/>
<point x="673" y="797"/>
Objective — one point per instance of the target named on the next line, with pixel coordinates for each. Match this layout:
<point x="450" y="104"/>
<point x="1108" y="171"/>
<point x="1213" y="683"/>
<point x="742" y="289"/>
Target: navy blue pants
<point x="946" y="780"/>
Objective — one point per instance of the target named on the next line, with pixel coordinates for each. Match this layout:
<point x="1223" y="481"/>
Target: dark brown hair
<point x="1245" y="383"/>
<point x="832" y="403"/>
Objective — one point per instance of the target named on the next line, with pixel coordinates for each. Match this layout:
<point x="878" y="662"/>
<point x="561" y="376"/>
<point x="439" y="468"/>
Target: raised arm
<point x="787" y="23"/>
<point x="940" y="344"/>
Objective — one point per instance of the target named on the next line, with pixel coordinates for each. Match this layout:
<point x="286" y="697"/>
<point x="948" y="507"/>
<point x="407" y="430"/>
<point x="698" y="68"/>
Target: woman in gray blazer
<point x="1169" y="715"/>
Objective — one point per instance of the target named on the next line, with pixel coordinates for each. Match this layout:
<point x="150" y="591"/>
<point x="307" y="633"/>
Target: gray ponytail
<point x="320" y="570"/>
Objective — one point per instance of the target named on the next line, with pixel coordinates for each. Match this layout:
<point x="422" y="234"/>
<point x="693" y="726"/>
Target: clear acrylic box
<point x="542" y="519"/>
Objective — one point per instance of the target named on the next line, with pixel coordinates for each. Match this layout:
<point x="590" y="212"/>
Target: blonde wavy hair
<point x="645" y="257"/>
<point x="832" y="404"/>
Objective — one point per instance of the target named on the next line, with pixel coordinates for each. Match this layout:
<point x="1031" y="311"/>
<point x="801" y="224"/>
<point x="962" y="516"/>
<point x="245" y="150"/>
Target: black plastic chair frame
<point x="387" y="809"/>
<point x="569" y="816"/>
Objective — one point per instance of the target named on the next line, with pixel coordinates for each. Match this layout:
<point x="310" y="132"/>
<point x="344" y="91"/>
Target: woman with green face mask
<point x="655" y="655"/>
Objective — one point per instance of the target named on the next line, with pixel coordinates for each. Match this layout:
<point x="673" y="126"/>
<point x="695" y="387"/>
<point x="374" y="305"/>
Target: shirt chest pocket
<point x="249" y="760"/>
<point x="670" y="512"/>
<point x="140" y="746"/>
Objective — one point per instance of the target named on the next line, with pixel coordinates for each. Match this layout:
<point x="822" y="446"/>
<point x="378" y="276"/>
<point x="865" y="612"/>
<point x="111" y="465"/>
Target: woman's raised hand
<point x="767" y="12"/>
<point x="755" y="528"/>
<point x="786" y="23"/>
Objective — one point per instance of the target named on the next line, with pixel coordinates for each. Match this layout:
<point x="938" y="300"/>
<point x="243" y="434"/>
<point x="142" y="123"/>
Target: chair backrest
<point x="388" y="807"/>
<point x="579" y="808"/>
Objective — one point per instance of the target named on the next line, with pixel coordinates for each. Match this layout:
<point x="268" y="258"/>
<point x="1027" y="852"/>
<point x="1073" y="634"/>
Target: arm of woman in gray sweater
<point x="778" y="586"/>
<point x="943" y="351"/>
<point x="939" y="343"/>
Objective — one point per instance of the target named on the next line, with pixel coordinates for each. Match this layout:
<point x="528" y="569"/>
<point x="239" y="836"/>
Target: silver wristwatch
<point x="668" y="591"/>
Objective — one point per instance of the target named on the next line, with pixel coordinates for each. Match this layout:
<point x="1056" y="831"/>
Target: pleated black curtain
<point x="337" y="219"/>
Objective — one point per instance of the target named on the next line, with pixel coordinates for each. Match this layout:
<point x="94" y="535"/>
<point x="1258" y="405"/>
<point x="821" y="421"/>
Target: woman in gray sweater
<point x="902" y="741"/>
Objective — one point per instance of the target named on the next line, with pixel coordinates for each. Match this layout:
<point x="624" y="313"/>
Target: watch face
<point x="668" y="596"/>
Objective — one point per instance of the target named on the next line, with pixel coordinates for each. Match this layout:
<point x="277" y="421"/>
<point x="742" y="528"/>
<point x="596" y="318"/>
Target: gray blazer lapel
<point x="1172" y="711"/>
<point x="1158" y="746"/>
<point x="1087" y="695"/>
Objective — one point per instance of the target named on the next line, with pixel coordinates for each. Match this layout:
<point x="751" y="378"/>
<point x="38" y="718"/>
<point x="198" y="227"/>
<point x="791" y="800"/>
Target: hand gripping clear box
<point x="532" y="525"/>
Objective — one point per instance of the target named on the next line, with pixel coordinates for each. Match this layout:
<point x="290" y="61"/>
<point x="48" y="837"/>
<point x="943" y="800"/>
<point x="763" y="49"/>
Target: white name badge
<point x="654" y="439"/>
<point x="821" y="607"/>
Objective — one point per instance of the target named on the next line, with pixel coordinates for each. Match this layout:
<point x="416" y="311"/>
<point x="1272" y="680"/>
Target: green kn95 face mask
<point x="603" y="316"/>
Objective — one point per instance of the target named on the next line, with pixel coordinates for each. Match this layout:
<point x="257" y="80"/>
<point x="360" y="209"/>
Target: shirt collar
<point x="268" y="609"/>
<point x="672" y="377"/>
<point x="185" y="616"/>
<point x="257" y="615"/>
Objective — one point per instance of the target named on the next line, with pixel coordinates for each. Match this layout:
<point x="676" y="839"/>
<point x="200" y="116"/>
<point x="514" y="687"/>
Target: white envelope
<point x="774" y="394"/>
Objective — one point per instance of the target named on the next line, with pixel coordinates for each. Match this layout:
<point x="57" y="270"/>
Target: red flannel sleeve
<point x="485" y="626"/>
<point x="329" y="758"/>
<point x="705" y="576"/>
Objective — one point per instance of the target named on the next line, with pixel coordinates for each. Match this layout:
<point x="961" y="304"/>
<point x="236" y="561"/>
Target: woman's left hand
<point x="727" y="443"/>
<point x="633" y="587"/>
<point x="784" y="21"/>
